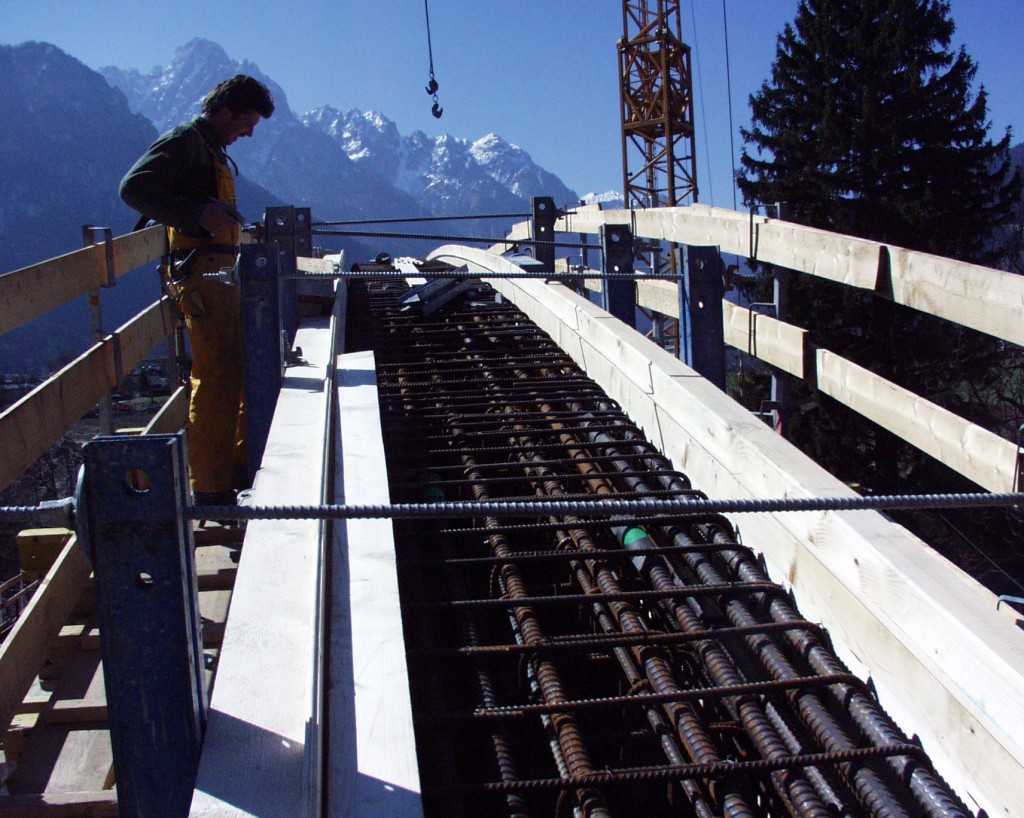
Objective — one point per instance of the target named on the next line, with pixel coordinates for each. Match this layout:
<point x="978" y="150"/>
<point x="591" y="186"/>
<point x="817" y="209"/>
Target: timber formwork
<point x="615" y="666"/>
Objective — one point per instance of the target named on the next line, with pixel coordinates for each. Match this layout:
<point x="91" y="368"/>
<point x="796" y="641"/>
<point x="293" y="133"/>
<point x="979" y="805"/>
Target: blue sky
<point x="541" y="73"/>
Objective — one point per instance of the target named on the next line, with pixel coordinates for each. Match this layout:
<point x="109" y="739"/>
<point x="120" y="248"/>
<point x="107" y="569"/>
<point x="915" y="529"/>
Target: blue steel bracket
<point x="290" y="227"/>
<point x="618" y="296"/>
<point x="261" y="345"/>
<point x="545" y="214"/>
<point x="133" y="496"/>
<point x="701" y="336"/>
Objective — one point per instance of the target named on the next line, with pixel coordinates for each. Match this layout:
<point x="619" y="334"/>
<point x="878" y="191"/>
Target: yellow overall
<point x="212" y="310"/>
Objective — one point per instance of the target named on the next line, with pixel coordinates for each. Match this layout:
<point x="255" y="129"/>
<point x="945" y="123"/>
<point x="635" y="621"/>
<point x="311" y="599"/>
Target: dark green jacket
<point x="175" y="178"/>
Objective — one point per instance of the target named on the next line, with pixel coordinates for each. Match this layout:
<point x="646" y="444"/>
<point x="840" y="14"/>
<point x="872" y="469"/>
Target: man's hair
<point x="238" y="94"/>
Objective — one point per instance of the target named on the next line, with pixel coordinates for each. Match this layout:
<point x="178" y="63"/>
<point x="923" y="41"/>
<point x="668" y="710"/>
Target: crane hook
<point x="432" y="86"/>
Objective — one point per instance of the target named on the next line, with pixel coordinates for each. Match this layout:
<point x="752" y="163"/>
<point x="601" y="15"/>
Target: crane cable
<point x="703" y="109"/>
<point x="728" y="85"/>
<point x="432" y="85"/>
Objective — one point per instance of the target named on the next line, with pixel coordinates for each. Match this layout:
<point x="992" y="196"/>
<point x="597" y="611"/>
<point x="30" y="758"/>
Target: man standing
<point x="184" y="181"/>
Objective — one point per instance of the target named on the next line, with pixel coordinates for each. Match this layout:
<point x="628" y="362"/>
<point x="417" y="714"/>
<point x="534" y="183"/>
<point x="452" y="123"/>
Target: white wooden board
<point x="261" y="755"/>
<point x="371" y="750"/>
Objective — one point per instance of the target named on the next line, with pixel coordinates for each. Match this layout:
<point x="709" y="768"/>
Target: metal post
<point x="780" y="381"/>
<point x="618" y="296"/>
<point x="261" y="344"/>
<point x="290" y="228"/>
<point x="701" y="337"/>
<point x="131" y="521"/>
<point x="106" y="423"/>
<point x="544" y="216"/>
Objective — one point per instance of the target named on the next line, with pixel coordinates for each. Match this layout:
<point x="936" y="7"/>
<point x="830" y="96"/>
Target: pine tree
<point x="869" y="126"/>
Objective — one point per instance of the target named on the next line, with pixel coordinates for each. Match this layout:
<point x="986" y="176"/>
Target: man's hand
<point x="218" y="217"/>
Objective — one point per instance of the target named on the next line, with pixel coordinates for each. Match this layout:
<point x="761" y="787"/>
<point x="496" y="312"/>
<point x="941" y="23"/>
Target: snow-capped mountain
<point x="300" y="165"/>
<point x="66" y="139"/>
<point x="70" y="133"/>
<point x="447" y="175"/>
<point x="609" y="200"/>
<point x="351" y="165"/>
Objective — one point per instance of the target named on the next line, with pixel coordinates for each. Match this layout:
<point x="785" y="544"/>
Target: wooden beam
<point x="133" y="250"/>
<point x="372" y="766"/>
<point x="143" y="332"/>
<point x="981" y="456"/>
<point x="32" y="291"/>
<point x="314" y="265"/>
<point x="172" y="414"/>
<point x="24" y="650"/>
<point x="31" y="425"/>
<point x="519" y="232"/>
<point x="984" y="299"/>
<point x="660" y="296"/>
<point x="38" y="548"/>
<point x="765" y="338"/>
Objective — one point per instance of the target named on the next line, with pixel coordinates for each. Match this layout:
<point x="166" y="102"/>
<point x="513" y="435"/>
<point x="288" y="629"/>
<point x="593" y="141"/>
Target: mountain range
<point x="69" y="133"/>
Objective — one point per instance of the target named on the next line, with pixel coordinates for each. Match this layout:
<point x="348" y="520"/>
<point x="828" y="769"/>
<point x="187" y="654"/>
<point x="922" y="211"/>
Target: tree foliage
<point x="870" y="126"/>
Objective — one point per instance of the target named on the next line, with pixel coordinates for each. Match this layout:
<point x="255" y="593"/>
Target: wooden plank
<point x="102" y="804"/>
<point x="984" y="299"/>
<point x="371" y="748"/>
<point x="144" y="331"/>
<point x="772" y="341"/>
<point x="38" y="548"/>
<point x="172" y="414"/>
<point x="32" y="424"/>
<point x="314" y="265"/>
<point x="987" y="300"/>
<point x="660" y="296"/>
<point x="26" y="646"/>
<point x="980" y="455"/>
<point x="32" y="291"/>
<point x="216" y="567"/>
<point x="943" y="659"/>
<point x="70" y="711"/>
<point x="133" y="250"/>
<point x="261" y="752"/>
<point x="519" y="232"/>
<point x="213" y="607"/>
